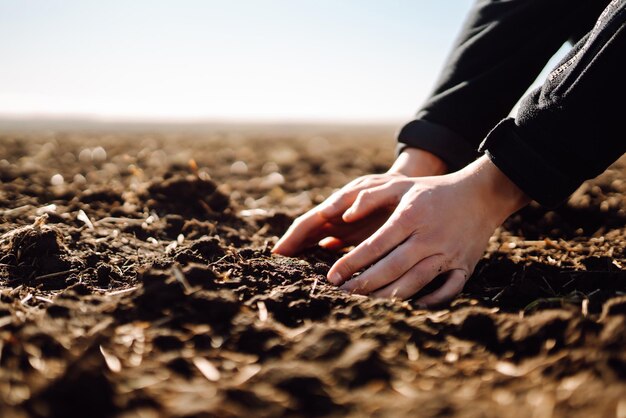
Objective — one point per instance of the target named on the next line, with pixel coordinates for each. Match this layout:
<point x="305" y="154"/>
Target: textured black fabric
<point x="572" y="128"/>
<point x="439" y="140"/>
<point x="502" y="48"/>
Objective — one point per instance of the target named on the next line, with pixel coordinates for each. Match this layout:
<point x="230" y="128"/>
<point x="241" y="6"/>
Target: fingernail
<point x="334" y="278"/>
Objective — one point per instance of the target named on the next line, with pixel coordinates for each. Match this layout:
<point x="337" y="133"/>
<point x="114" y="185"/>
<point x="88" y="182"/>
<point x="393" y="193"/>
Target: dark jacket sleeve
<point x="572" y="128"/>
<point x="502" y="48"/>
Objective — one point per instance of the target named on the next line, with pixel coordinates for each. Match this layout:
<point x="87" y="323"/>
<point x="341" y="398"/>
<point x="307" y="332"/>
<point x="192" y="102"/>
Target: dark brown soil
<point x="136" y="281"/>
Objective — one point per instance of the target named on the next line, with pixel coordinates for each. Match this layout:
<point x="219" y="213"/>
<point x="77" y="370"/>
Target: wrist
<point x="415" y="162"/>
<point x="501" y="196"/>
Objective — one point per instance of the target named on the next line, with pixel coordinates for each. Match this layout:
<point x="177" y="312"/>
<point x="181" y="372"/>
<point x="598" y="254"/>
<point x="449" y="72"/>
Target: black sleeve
<point x="572" y="128"/>
<point x="502" y="48"/>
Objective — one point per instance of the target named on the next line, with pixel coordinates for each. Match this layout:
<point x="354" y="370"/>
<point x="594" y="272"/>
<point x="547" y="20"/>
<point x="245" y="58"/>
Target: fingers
<point x="390" y="268"/>
<point x="303" y="232"/>
<point x="341" y="200"/>
<point x="414" y="279"/>
<point x="390" y="234"/>
<point x="303" y="229"/>
<point x="306" y="231"/>
<point x="371" y="200"/>
<point x="332" y="243"/>
<point x="310" y="228"/>
<point x="452" y="287"/>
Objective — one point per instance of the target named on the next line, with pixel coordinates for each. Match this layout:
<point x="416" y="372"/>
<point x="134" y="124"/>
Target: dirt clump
<point x="186" y="194"/>
<point x="34" y="254"/>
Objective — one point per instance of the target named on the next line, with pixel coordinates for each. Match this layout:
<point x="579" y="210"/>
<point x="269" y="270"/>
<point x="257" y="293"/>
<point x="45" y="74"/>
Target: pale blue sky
<point x="357" y="60"/>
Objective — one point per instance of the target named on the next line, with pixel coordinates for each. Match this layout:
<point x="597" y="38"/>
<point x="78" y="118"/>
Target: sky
<point x="260" y="60"/>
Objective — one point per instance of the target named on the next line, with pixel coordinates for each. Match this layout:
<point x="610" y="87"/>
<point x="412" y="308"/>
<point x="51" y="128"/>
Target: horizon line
<point x="156" y="120"/>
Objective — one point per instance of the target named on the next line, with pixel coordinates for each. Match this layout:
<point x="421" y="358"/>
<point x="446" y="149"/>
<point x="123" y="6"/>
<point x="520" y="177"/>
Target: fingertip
<point x="331" y="243"/>
<point x="327" y="241"/>
<point x="283" y="247"/>
<point x="348" y="216"/>
<point x="355" y="287"/>
<point x="280" y="251"/>
<point x="334" y="277"/>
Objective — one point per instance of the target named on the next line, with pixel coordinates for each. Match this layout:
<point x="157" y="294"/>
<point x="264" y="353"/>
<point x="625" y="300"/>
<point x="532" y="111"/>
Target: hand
<point x="324" y="224"/>
<point x="440" y="225"/>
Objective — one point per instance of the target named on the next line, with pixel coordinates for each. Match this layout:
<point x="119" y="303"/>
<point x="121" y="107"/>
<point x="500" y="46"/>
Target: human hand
<point x="440" y="225"/>
<point x="324" y="224"/>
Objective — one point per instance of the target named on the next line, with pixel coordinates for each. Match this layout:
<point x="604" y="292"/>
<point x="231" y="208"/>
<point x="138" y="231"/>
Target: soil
<point x="136" y="281"/>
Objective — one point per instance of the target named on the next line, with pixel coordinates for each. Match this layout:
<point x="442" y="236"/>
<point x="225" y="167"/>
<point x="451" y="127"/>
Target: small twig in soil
<point x="52" y="275"/>
<point x="568" y="283"/>
<point x="112" y="362"/>
<point x="164" y="320"/>
<point x="496" y="297"/>
<point x="119" y="269"/>
<point x="82" y="216"/>
<point x="206" y="207"/>
<point x="16" y="290"/>
<point x="547" y="284"/>
<point x="26" y="299"/>
<point x="570" y="298"/>
<point x="220" y="259"/>
<point x="207" y="369"/>
<point x="314" y="286"/>
<point x="262" y="311"/>
<point x="100" y="326"/>
<point x="178" y="274"/>
<point x="263" y="230"/>
<point x="42" y="299"/>
<point x="121" y="292"/>
<point x="412" y="352"/>
<point x="171" y="247"/>
<point x="114" y="220"/>
<point x="132" y="265"/>
<point x="585" y="307"/>
<point x="17" y="209"/>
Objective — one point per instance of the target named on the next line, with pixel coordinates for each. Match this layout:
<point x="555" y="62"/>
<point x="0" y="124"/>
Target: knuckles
<point x="373" y="247"/>
<point x="404" y="220"/>
<point x="363" y="197"/>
